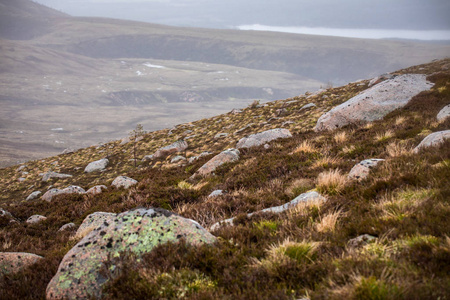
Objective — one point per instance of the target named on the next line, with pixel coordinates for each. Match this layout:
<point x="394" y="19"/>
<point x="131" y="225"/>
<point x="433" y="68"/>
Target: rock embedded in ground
<point x="79" y="275"/>
<point x="47" y="176"/>
<point x="443" y="113"/>
<point x="33" y="195"/>
<point x="73" y="189"/>
<point x="361" y="170"/>
<point x="227" y="156"/>
<point x="194" y="158"/>
<point x="123" y="181"/>
<point x="361" y="241"/>
<point x="216" y="193"/>
<point x="95" y="190"/>
<point x="67" y="226"/>
<point x="97" y="166"/>
<point x="309" y="105"/>
<point x="176" y="147"/>
<point x="434" y="139"/>
<point x="177" y="158"/>
<point x="35" y="219"/>
<point x="262" y="138"/>
<point x="13" y="262"/>
<point x="220" y="135"/>
<point x="375" y="102"/>
<point x="311" y="196"/>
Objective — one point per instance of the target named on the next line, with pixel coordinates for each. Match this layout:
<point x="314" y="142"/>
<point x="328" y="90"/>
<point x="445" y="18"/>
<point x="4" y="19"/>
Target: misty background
<point x="385" y="18"/>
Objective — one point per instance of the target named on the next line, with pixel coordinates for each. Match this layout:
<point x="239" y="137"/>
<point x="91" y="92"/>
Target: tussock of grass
<point x="331" y="182"/>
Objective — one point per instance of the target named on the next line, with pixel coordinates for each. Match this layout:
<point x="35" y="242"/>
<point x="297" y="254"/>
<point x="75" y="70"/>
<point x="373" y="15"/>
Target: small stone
<point x="434" y="139"/>
<point x="306" y="106"/>
<point x="361" y="170"/>
<point x="123" y="181"/>
<point x="33" y="195"/>
<point x="73" y="189"/>
<point x="178" y="146"/>
<point x="5" y="213"/>
<point x="361" y="241"/>
<point x="95" y="190"/>
<point x="47" y="176"/>
<point x="97" y="166"/>
<point x="177" y="158"/>
<point x="220" y="135"/>
<point x="216" y="193"/>
<point x="68" y="226"/>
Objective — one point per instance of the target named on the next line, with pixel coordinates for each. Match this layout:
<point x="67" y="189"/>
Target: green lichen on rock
<point x="137" y="231"/>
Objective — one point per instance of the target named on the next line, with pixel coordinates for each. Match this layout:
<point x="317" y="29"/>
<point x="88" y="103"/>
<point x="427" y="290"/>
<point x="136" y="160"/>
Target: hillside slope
<point x="307" y="251"/>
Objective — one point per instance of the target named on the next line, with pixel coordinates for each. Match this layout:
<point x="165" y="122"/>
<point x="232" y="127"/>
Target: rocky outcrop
<point x="13" y="262"/>
<point x="123" y="181"/>
<point x="227" y="156"/>
<point x="375" y="102"/>
<point x="443" y="113"/>
<point x="176" y="147"/>
<point x="361" y="170"/>
<point x="97" y="166"/>
<point x="47" y="176"/>
<point x="305" y="197"/>
<point x="33" y="195"/>
<point x="261" y="138"/>
<point x="136" y="232"/>
<point x="95" y="190"/>
<point x="434" y="139"/>
<point x="73" y="189"/>
<point x="35" y="219"/>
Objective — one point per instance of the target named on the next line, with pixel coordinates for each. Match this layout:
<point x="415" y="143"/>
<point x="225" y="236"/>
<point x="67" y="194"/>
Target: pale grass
<point x="331" y="182"/>
<point x="382" y="136"/>
<point x="326" y="162"/>
<point x="340" y="137"/>
<point x="300" y="184"/>
<point x="400" y="120"/>
<point x="305" y="147"/>
<point x="398" y="148"/>
<point x="7" y="243"/>
<point x="348" y="149"/>
<point x="368" y="125"/>
<point x="205" y="214"/>
<point x="184" y="185"/>
<point x="328" y="222"/>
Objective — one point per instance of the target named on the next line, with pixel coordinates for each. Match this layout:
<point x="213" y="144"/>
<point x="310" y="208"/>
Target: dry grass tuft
<point x="331" y="182"/>
<point x="299" y="186"/>
<point x="326" y="162"/>
<point x="398" y="148"/>
<point x="340" y="137"/>
<point x="328" y="222"/>
<point x="305" y="147"/>
<point x="400" y="120"/>
<point x="383" y="136"/>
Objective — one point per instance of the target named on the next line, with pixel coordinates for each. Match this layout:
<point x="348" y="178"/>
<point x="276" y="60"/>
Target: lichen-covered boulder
<point x="33" y="195"/>
<point x="227" y="156"/>
<point x="262" y="138"/>
<point x="93" y="221"/>
<point x="97" y="166"/>
<point x="361" y="170"/>
<point x="375" y="102"/>
<point x="95" y="190"/>
<point x="47" y="176"/>
<point x="137" y="232"/>
<point x="443" y="113"/>
<point x="73" y="189"/>
<point x="35" y="219"/>
<point x="434" y="139"/>
<point x="12" y="262"/>
<point x="178" y="146"/>
<point x="123" y="181"/>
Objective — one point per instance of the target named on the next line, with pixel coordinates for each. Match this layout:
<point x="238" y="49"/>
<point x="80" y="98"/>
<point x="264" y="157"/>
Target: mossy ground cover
<point x="304" y="251"/>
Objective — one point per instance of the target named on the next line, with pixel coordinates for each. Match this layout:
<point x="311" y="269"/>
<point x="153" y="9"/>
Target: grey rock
<point x="306" y="106"/>
<point x="227" y="156"/>
<point x="434" y="139"/>
<point x="177" y="158"/>
<point x="216" y="193"/>
<point x="375" y="102"/>
<point x="13" y="262"/>
<point x="68" y="226"/>
<point x="361" y="170"/>
<point x="220" y="135"/>
<point x="178" y="146"/>
<point x="262" y="138"/>
<point x="73" y="189"/>
<point x="123" y="181"/>
<point x="443" y="113"/>
<point x="35" y="219"/>
<point x="194" y="158"/>
<point x="361" y="241"/>
<point x="95" y="190"/>
<point x="147" y="158"/>
<point x="33" y="195"/>
<point x="97" y="166"/>
<point x="5" y="213"/>
<point x="47" y="176"/>
<point x="94" y="221"/>
<point x="21" y="168"/>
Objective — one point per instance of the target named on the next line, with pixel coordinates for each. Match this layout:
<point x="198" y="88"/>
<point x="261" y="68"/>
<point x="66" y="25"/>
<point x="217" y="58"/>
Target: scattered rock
<point x="47" y="176"/>
<point x="227" y="156"/>
<point x="98" y="165"/>
<point x="361" y="170"/>
<point x="123" y="181"/>
<point x="433" y="139"/>
<point x="178" y="146"/>
<point x="68" y="226"/>
<point x="33" y="195"/>
<point x="95" y="190"/>
<point x="21" y="179"/>
<point x="243" y="128"/>
<point x="263" y="137"/>
<point x="21" y="168"/>
<point x="194" y="158"/>
<point x="35" y="219"/>
<point x="177" y="158"/>
<point x="375" y="102"/>
<point x="137" y="232"/>
<point x="5" y="213"/>
<point x="235" y="111"/>
<point x="220" y="135"/>
<point x="68" y="151"/>
<point x="147" y="158"/>
<point x="13" y="262"/>
<point x="305" y="197"/>
<point x="444" y="113"/>
<point x="216" y="193"/>
<point x="94" y="221"/>
<point x="361" y="241"/>
<point x="73" y="189"/>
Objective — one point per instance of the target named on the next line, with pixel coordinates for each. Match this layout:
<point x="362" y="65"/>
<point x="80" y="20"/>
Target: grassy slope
<point x="404" y="203"/>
